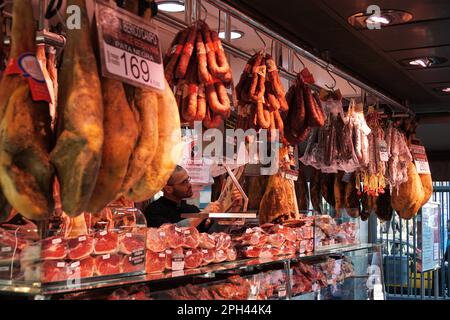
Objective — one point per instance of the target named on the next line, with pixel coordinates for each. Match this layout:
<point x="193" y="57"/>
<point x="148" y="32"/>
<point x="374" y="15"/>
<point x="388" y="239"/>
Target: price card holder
<point x="130" y="49"/>
<point x="420" y="159"/>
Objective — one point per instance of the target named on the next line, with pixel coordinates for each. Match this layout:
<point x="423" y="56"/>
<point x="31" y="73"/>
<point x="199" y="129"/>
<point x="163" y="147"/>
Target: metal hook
<point x="354" y="89"/>
<point x="218" y="28"/>
<point x="261" y="38"/>
<point x="271" y="48"/>
<point x="335" y="82"/>
<point x="298" y="57"/>
<point x="206" y="13"/>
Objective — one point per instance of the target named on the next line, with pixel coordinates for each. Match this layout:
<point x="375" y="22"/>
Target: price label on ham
<point x="420" y="159"/>
<point x="60" y="264"/>
<point x="56" y="241"/>
<point x="6" y="249"/>
<point x="384" y="156"/>
<point x="130" y="48"/>
<point x="177" y="262"/>
<point x="82" y="238"/>
<point x="282" y="292"/>
<point x="3" y="269"/>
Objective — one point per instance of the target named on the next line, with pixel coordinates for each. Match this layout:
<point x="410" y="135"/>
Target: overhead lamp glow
<point x="234" y="34"/>
<point x="379" y="19"/>
<point x="446" y="90"/>
<point x="171" y="6"/>
<point x="420" y="62"/>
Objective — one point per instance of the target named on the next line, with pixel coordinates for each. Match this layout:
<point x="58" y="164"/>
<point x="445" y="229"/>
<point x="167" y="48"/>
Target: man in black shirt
<point x="168" y="208"/>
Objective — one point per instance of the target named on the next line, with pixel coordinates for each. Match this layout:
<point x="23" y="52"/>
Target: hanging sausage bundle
<point x="261" y="96"/>
<point x="197" y="66"/>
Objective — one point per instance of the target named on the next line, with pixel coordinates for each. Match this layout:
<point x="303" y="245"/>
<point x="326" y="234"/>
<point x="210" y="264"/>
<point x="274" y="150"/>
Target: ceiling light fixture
<point x="234" y="34"/>
<point x="171" y="6"/>
<point x="362" y="20"/>
<point x="446" y="90"/>
<point x="424" y="62"/>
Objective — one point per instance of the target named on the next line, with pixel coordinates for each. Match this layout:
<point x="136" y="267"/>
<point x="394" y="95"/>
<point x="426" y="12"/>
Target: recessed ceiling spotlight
<point x="424" y="62"/>
<point x="363" y="20"/>
<point x="234" y="34"/>
<point x="171" y="6"/>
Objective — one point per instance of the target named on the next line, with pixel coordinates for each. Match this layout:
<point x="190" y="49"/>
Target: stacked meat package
<point x="176" y="248"/>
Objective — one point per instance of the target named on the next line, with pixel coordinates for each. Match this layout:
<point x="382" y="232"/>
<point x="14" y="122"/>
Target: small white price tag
<point x="130" y="48"/>
<point x="75" y="264"/>
<point x="106" y="256"/>
<point x="103" y="233"/>
<point x="82" y="238"/>
<point x="420" y="159"/>
<point x="204" y="251"/>
<point x="162" y="234"/>
<point x="168" y="251"/>
<point x="60" y="264"/>
<point x="6" y="249"/>
<point x="188" y="253"/>
<point x="128" y="235"/>
<point x="177" y="263"/>
<point x="162" y="255"/>
<point x="384" y="156"/>
<point x="187" y="231"/>
<point x="3" y="269"/>
<point x="56" y="241"/>
<point x="281" y="292"/>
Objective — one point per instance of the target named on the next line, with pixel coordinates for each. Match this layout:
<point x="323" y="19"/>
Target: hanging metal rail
<point x="225" y="8"/>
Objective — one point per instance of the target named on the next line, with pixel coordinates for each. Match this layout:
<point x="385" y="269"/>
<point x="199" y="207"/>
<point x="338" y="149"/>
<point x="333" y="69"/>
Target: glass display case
<point x="353" y="272"/>
<point x="72" y="251"/>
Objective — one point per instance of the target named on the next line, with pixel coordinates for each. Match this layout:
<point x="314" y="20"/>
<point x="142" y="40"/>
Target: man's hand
<point x="215" y="206"/>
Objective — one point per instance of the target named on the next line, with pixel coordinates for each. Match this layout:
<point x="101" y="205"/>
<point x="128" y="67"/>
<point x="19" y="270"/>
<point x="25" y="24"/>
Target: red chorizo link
<point x="271" y="99"/>
<point x="279" y="124"/>
<point x="217" y="97"/>
<point x="315" y="116"/>
<point x="255" y="93"/>
<point x="190" y="93"/>
<point x="212" y="120"/>
<point x="203" y="72"/>
<point x="219" y="64"/>
<point x="274" y="78"/>
<point x="186" y="53"/>
<point x="263" y="116"/>
<point x="201" y="103"/>
<point x="299" y="112"/>
<point x="245" y="79"/>
<point x="174" y="55"/>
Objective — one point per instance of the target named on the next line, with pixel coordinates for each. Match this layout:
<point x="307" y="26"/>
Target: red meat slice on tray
<point x="155" y="261"/>
<point x="133" y="264"/>
<point x="226" y="241"/>
<point x="131" y="242"/>
<point x="84" y="268"/>
<point x="192" y="258"/>
<point x="208" y="256"/>
<point x="80" y="247"/>
<point x="206" y="241"/>
<point x="231" y="254"/>
<point x="251" y="252"/>
<point x="174" y="254"/>
<point x="266" y="252"/>
<point x="108" y="264"/>
<point x="174" y="238"/>
<point x="106" y="242"/>
<point x="276" y="239"/>
<point x="53" y="270"/>
<point x="53" y="248"/>
<point x="191" y="237"/>
<point x="220" y="256"/>
<point x="156" y="240"/>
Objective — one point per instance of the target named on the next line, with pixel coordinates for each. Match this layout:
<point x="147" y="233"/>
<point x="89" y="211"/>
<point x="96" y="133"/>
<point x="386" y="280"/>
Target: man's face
<point x="181" y="185"/>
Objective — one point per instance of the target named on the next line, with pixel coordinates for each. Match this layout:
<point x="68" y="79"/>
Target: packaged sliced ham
<point x="53" y="248"/>
<point x="191" y="237"/>
<point x="156" y="240"/>
<point x="192" y="258"/>
<point x="155" y="261"/>
<point x="173" y="236"/>
<point x="53" y="270"/>
<point x="84" y="268"/>
<point x="80" y="247"/>
<point x="106" y="242"/>
<point x="231" y="254"/>
<point x="206" y="241"/>
<point x="108" y="264"/>
<point x="174" y="259"/>
<point x="208" y="256"/>
<point x="130" y="242"/>
<point x="131" y="263"/>
<point x="220" y="256"/>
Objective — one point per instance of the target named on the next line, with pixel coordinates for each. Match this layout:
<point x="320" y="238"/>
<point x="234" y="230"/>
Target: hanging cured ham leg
<point x="77" y="155"/>
<point x="25" y="135"/>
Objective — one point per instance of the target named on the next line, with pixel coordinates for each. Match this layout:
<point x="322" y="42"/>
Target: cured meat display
<point x="187" y="246"/>
<point x="106" y="242"/>
<point x="198" y="68"/>
<point x="108" y="264"/>
<point x="80" y="247"/>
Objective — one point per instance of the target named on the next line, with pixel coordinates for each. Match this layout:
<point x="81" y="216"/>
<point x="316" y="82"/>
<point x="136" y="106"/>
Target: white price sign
<point x="420" y="159"/>
<point x="130" y="47"/>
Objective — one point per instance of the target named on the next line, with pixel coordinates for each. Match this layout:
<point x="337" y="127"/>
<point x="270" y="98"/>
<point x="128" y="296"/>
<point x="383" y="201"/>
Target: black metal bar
<point x="395" y="255"/>
<point x="415" y="254"/>
<point x="408" y="268"/>
<point x="401" y="254"/>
